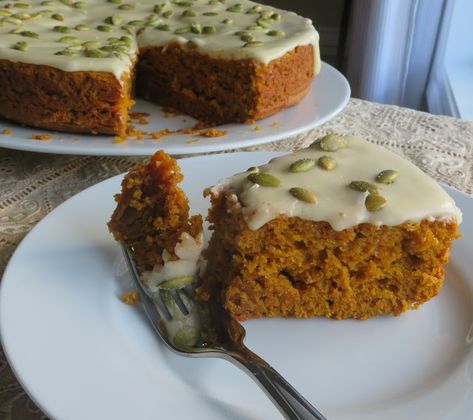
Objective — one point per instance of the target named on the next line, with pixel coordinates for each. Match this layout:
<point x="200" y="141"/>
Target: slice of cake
<point x="342" y="229"/>
<point x="152" y="219"/>
<point x="70" y="65"/>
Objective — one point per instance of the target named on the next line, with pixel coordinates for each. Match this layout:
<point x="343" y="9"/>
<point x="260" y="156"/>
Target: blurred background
<point x="413" y="53"/>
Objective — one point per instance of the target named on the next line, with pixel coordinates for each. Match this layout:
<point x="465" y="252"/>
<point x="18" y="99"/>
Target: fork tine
<point x="179" y="302"/>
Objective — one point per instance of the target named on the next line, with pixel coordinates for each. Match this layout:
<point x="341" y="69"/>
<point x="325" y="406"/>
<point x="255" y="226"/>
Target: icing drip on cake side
<point x="101" y="35"/>
<point x="413" y="196"/>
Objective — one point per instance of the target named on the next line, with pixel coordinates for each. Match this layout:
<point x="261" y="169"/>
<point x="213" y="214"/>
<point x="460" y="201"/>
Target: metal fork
<point x="190" y="330"/>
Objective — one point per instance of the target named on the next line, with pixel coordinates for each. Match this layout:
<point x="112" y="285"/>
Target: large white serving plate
<point x="83" y="354"/>
<point x="329" y="94"/>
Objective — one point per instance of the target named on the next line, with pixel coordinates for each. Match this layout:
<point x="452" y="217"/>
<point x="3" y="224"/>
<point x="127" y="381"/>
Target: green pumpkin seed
<point x="302" y="165"/>
<point x="57" y="16"/>
<point x="253" y="44"/>
<point x="22" y="16"/>
<point x="80" y="5"/>
<point x="74" y="47"/>
<point x="374" y="202"/>
<point x="91" y="44"/>
<point x="264" y="179"/>
<point x="152" y="23"/>
<point x="48" y="3"/>
<point x="180" y="31"/>
<point x="236" y="8"/>
<point x="326" y="162"/>
<point x="159" y="8"/>
<point x="185" y="3"/>
<point x="187" y="337"/>
<point x="332" y="143"/>
<point x="15" y="31"/>
<point x="104" y="28"/>
<point x="164" y="27"/>
<point x="126" y="40"/>
<point x="36" y="15"/>
<point x="126" y="6"/>
<point x="177" y="282"/>
<point x="254" y="10"/>
<point x="265" y="23"/>
<point x="114" y="20"/>
<point x="253" y="169"/>
<point x="274" y="32"/>
<point x="189" y="13"/>
<point x="29" y="34"/>
<point x="5" y="12"/>
<point x="303" y="195"/>
<point x="93" y="53"/>
<point x="266" y="14"/>
<point x="67" y="2"/>
<point x="276" y="16"/>
<point x="363" y="186"/>
<point x="21" y="5"/>
<point x="67" y="53"/>
<point x="62" y="29"/>
<point x="227" y="21"/>
<point x="210" y="14"/>
<point x="82" y="27"/>
<point x="209" y="29"/>
<point x="196" y="28"/>
<point x="12" y="20"/>
<point x="140" y="31"/>
<point x="254" y="27"/>
<point x="136" y="22"/>
<point x="247" y="38"/>
<point x="167" y="14"/>
<point x="69" y="40"/>
<point x="388" y="176"/>
<point x="115" y="1"/>
<point x="21" y="46"/>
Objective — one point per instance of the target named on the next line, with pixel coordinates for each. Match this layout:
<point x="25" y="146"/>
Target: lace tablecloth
<point x="31" y="184"/>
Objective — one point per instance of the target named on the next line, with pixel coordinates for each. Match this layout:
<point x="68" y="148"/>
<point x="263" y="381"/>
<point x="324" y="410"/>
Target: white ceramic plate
<point x="328" y="96"/>
<point x="81" y="353"/>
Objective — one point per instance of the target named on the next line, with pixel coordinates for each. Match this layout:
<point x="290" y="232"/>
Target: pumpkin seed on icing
<point x="196" y="28"/>
<point x="276" y="16"/>
<point x="5" y="12"/>
<point x="227" y="21"/>
<point x="210" y="14"/>
<point x="48" y="3"/>
<point x="62" y="29"/>
<point x="12" y="20"/>
<point x="185" y="3"/>
<point x="136" y="22"/>
<point x="265" y="23"/>
<point x="275" y="32"/>
<point x="93" y="53"/>
<point x="164" y="27"/>
<point x="104" y="28"/>
<point x="167" y="14"/>
<point x="20" y="46"/>
<point x="29" y="34"/>
<point x="180" y="31"/>
<point x="265" y="14"/>
<point x="209" y="29"/>
<point x="388" y="176"/>
<point x="254" y="27"/>
<point x="264" y="179"/>
<point x="327" y="162"/>
<point x="67" y="53"/>
<point x="114" y="20"/>
<point x="303" y="194"/>
<point x="21" y="5"/>
<point x="159" y="8"/>
<point x="115" y="1"/>
<point x="15" y="31"/>
<point x="253" y="169"/>
<point x="332" y="143"/>
<point x="363" y="186"/>
<point x="80" y="5"/>
<point x="67" y="2"/>
<point x="22" y="16"/>
<point x="247" y="38"/>
<point x="126" y="6"/>
<point x="374" y="202"/>
<point x="236" y="8"/>
<point x="57" y="16"/>
<point x="188" y="13"/>
<point x="254" y="10"/>
<point x="302" y="165"/>
<point x="69" y="40"/>
<point x="91" y="44"/>
<point x="82" y="27"/>
<point x="253" y="44"/>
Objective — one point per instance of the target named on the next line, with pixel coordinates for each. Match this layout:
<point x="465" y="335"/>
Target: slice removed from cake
<point x="152" y="220"/>
<point x="342" y="229"/>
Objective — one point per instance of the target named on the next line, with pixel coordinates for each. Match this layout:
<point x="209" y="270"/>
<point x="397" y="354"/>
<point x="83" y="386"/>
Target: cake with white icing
<point x="69" y="65"/>
<point x="342" y="229"/>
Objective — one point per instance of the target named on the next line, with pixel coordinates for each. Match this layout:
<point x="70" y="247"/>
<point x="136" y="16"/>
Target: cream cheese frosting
<point x="330" y="195"/>
<point x="105" y="35"/>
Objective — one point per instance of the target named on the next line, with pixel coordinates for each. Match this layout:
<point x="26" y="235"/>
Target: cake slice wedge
<point x="342" y="229"/>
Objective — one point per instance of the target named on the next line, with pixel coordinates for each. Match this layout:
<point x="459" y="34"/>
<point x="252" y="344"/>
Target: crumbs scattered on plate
<point x="6" y="131"/>
<point x="133" y="133"/>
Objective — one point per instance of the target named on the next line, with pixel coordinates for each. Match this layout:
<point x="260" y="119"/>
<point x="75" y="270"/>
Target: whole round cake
<point x="71" y="65"/>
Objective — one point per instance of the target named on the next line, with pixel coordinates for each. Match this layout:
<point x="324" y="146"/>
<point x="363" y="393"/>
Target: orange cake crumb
<point x="41" y="137"/>
<point x="130" y="298"/>
<point x="6" y="131"/>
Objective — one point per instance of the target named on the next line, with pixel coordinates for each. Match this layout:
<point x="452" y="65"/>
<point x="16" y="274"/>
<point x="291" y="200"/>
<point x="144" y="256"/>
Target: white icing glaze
<point x="188" y="250"/>
<point x="412" y="197"/>
<point x="223" y="43"/>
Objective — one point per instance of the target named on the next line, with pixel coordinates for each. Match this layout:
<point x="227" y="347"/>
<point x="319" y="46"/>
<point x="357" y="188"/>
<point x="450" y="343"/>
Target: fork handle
<point x="291" y="404"/>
